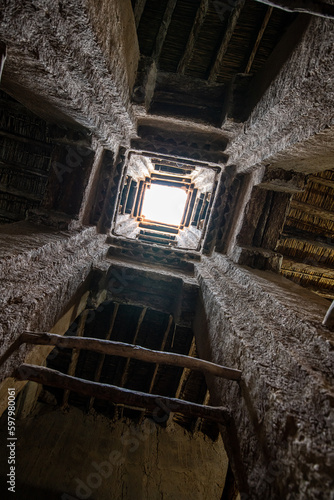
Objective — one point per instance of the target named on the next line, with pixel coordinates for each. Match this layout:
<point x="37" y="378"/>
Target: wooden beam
<point x="307" y="237"/>
<point x="186" y="372"/>
<point x="312" y="7"/>
<point x="75" y="353"/>
<point x="322" y="181"/>
<point x="296" y="266"/>
<point x="231" y="24"/>
<point x="198" y="423"/>
<point x="138" y="11"/>
<point x="21" y="169"/>
<point x="12" y="348"/>
<point x="22" y="194"/>
<point x="163" y="29"/>
<point x="99" y="367"/>
<point x="119" y="395"/>
<point x="323" y="292"/>
<point x="258" y="39"/>
<point x="163" y="343"/>
<point x="27" y="140"/>
<point x="3" y="55"/>
<point x="312" y="210"/>
<point x="197" y="25"/>
<point x="126" y="368"/>
<point x="133" y="351"/>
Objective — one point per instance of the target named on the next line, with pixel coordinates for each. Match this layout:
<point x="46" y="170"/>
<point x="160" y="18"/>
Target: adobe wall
<point x="67" y="455"/>
<point x="280" y="440"/>
<point x="295" y="107"/>
<point x="41" y="271"/>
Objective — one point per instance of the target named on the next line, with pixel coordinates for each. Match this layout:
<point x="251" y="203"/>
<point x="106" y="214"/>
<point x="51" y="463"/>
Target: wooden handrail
<point x="109" y="347"/>
<point x="118" y="395"/>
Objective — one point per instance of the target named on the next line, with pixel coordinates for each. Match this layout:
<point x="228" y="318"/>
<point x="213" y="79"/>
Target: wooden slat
<point x="75" y="353"/>
<point x="126" y="368"/>
<point x="306" y="237"/>
<point x="232" y="22"/>
<point x="119" y="395"/>
<point x="138" y="11"/>
<point x="22" y="194"/>
<point x="196" y="28"/>
<point x="99" y="367"/>
<point x="133" y="351"/>
<point x="323" y="292"/>
<point x="162" y="347"/>
<point x="3" y="55"/>
<point x="22" y="169"/>
<point x="312" y="210"/>
<point x="297" y="266"/>
<point x="27" y="140"/>
<point x="198" y="423"/>
<point x="322" y="181"/>
<point x="312" y="7"/>
<point x="164" y="29"/>
<point x="258" y="39"/>
<point x="186" y="371"/>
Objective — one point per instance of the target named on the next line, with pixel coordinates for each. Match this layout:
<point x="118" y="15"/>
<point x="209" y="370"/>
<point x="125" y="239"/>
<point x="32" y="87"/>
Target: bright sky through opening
<point x="164" y="204"/>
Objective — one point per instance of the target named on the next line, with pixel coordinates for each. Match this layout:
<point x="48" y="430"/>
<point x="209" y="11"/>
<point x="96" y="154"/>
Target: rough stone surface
<point x="69" y="453"/>
<point x="280" y="443"/>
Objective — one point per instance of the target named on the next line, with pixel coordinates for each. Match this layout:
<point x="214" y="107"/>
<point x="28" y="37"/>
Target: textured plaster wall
<point x="297" y="106"/>
<point x="60" y="65"/>
<point x="115" y="29"/>
<point x="40" y="272"/>
<point x="281" y="440"/>
<point x="68" y="452"/>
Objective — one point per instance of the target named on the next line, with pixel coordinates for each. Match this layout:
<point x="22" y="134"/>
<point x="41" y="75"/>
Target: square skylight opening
<point x="164" y="204"/>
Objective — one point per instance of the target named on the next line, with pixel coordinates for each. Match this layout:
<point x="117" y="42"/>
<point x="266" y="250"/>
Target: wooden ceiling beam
<point x="99" y="367"/>
<point x="296" y="266"/>
<point x="3" y="55"/>
<point x="186" y="371"/>
<point x="75" y="353"/>
<point x="258" y="39"/>
<point x="321" y="180"/>
<point x="126" y="368"/>
<point x="198" y="424"/>
<point x="28" y="195"/>
<point x="160" y="40"/>
<point x="131" y="351"/>
<point x="196" y="28"/>
<point x="117" y="395"/>
<point x="323" y="292"/>
<point x="312" y="7"/>
<point x="162" y="347"/>
<point x="312" y="210"/>
<point x="22" y="169"/>
<point x="28" y="140"/>
<point x="138" y="11"/>
<point x="231" y="24"/>
<point x="307" y="237"/>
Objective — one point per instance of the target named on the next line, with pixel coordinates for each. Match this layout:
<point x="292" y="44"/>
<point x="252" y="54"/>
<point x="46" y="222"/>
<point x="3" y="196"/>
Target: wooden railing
<point x="119" y="395"/>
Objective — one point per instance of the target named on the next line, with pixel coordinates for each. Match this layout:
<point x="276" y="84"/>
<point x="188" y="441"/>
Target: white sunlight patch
<point x="164" y="204"/>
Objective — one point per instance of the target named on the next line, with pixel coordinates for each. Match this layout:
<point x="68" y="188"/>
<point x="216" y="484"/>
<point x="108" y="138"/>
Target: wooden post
<point x="3" y="55"/>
